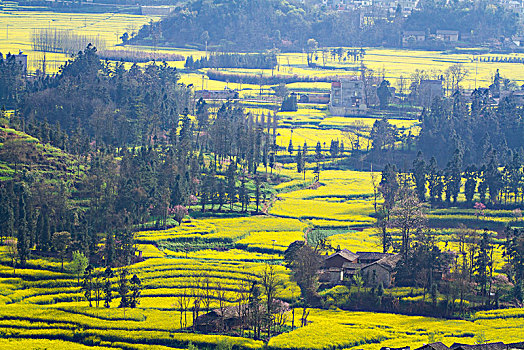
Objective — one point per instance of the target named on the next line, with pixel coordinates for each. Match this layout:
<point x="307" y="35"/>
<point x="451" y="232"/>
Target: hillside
<point x="259" y="25"/>
<point x="24" y="155"/>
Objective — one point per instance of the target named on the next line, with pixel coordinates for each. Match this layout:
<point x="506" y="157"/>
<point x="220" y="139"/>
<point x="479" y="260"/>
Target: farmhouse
<point x="433" y="346"/>
<point x="320" y="98"/>
<point x="228" y="318"/>
<point x="448" y="35"/>
<point x="233" y="317"/>
<point x="459" y="346"/>
<point x="225" y="94"/>
<point x="347" y="97"/>
<point x="413" y="36"/>
<point x="20" y="59"/>
<point x="374" y="267"/>
<point x="156" y="10"/>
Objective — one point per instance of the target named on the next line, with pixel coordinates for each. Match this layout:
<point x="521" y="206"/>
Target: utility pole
<point x="476" y="65"/>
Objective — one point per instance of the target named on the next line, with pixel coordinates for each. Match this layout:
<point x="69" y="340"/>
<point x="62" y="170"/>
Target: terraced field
<point x="43" y="307"/>
<point x="220" y="257"/>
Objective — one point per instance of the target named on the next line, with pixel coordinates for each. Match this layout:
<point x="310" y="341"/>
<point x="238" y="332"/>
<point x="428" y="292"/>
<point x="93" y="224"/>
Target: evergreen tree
<point x="231" y="185"/>
<point x="87" y="285"/>
<point x="483" y="262"/>
<point x="493" y="178"/>
<point x="61" y="243"/>
<point x="123" y="288"/>
<point x="108" y="297"/>
<point x="455" y="174"/>
<point x="515" y="251"/>
<point x="135" y="288"/>
<point x="109" y="250"/>
<point x="432" y="178"/>
<point x="299" y="160"/>
<point x="470" y="186"/>
<point x="389" y="186"/>
<point x="384" y="93"/>
<point x="318" y="153"/>
<point x="419" y="173"/>
<point x="7" y="217"/>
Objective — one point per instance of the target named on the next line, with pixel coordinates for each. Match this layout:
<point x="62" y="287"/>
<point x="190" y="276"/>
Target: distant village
<point x="348" y="95"/>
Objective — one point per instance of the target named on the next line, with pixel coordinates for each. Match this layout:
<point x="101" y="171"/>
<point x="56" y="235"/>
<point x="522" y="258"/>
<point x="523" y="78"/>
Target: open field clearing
<point x="18" y="27"/>
<point x="341" y="330"/>
<point x="244" y="230"/>
<point x="137" y="329"/>
<point x="326" y="330"/>
<point x="312" y="125"/>
<point x="343" y="197"/>
<point x="397" y="62"/>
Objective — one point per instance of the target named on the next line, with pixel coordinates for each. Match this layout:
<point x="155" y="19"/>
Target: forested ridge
<point x="106" y="102"/>
<point x="256" y="25"/>
<point x="136" y="157"/>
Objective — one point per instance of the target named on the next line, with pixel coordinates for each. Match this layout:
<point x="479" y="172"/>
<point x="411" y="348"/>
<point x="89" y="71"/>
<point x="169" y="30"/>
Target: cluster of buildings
<point x="410" y="37"/>
<point x="373" y="8"/>
<point x="375" y="268"/>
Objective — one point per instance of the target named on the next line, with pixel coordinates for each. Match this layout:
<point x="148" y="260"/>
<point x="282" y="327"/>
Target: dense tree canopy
<point x="265" y="24"/>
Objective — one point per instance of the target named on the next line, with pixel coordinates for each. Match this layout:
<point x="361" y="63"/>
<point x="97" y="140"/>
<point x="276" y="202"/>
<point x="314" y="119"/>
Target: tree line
<point x="12" y="82"/>
<point x="233" y="60"/>
<point x="466" y="273"/>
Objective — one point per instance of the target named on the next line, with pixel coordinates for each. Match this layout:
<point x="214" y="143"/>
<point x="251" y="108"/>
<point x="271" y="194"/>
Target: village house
<point x="410" y="37"/>
<point x="226" y="94"/>
<point x="312" y="97"/>
<point x="219" y="320"/>
<point x="447" y="35"/>
<point x="233" y="317"/>
<point x="161" y="11"/>
<point x="375" y="268"/>
<point x="347" y="97"/>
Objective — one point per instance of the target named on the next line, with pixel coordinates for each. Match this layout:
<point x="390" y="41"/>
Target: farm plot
<point x="340" y="330"/>
<point x="344" y="197"/>
<point x="253" y="234"/>
<point x="113" y="328"/>
<point x="107" y="26"/>
<point x="401" y="62"/>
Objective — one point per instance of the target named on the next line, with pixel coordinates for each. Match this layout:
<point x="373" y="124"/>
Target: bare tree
<point x="354" y="132"/>
<point x="198" y="296"/>
<point x="458" y="72"/>
<point x="207" y="292"/>
<point x="182" y="302"/>
<point x="242" y="301"/>
<point x="407" y="215"/>
<point x="271" y="286"/>
<point x="221" y="296"/>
